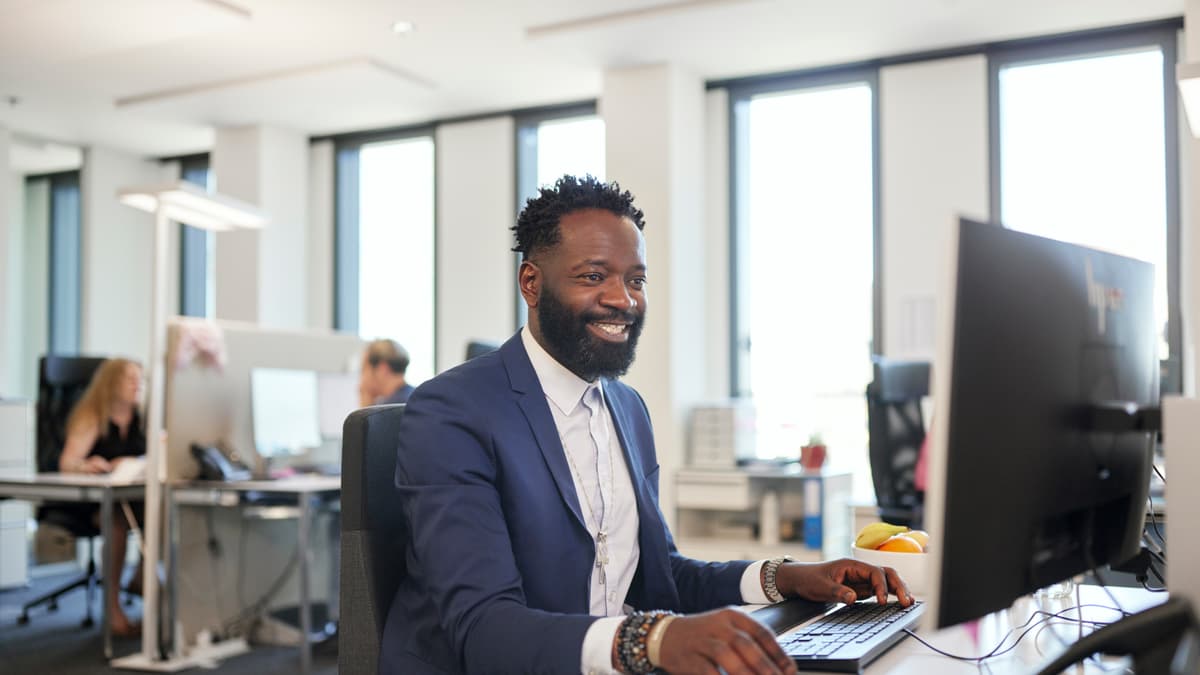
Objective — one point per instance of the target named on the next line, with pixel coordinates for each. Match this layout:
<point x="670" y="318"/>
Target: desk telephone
<point x="214" y="465"/>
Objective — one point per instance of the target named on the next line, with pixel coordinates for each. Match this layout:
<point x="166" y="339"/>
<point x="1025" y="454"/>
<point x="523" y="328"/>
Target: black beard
<point x="571" y="344"/>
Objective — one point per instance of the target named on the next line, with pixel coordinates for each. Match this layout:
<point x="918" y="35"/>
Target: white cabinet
<point x="16" y="455"/>
<point x="750" y="515"/>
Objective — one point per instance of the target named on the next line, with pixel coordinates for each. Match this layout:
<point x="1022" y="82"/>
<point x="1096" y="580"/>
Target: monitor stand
<point x="1156" y="638"/>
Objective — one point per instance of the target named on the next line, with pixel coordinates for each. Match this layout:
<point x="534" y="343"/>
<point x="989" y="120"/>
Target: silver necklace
<point x="601" y="532"/>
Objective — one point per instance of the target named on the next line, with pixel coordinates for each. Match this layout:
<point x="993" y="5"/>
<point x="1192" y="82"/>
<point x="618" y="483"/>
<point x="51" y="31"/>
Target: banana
<point x="876" y="533"/>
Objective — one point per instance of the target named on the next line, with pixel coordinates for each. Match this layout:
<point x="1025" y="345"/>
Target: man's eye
<point x="639" y="282"/>
<point x="593" y="277"/>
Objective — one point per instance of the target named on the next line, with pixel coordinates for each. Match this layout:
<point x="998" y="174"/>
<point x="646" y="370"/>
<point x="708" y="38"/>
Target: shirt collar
<point x="564" y="388"/>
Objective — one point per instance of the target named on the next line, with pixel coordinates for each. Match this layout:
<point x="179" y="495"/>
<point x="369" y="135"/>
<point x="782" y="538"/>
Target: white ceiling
<point x="157" y="76"/>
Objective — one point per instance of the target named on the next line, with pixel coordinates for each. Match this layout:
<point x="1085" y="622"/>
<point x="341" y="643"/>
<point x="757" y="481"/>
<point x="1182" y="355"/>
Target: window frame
<point x="1070" y="47"/>
<point x="740" y="92"/>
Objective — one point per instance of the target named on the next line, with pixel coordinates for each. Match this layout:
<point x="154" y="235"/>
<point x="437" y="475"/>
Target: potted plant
<point x="812" y="453"/>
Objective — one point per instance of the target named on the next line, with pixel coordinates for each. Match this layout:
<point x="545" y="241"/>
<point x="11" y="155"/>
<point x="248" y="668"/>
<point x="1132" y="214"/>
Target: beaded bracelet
<point x="632" y="638"/>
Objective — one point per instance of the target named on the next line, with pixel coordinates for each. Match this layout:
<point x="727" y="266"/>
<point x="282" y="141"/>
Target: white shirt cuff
<point x="752" y="590"/>
<point x="598" y="644"/>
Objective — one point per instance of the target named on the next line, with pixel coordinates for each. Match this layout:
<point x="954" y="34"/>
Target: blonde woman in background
<point x="105" y="429"/>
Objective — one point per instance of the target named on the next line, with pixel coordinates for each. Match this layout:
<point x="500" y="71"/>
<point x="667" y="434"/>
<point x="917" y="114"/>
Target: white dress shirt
<point x="601" y="474"/>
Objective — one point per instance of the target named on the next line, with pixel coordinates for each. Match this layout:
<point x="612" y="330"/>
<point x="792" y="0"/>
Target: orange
<point x="901" y="543"/>
<point x="920" y="536"/>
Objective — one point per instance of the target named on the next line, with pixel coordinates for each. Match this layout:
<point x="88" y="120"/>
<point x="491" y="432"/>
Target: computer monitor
<point x="479" y="348"/>
<point x="284" y="411"/>
<point x="1047" y="351"/>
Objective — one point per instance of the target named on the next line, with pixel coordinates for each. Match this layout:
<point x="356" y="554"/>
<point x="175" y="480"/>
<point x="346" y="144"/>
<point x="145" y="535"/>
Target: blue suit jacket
<point x="498" y="557"/>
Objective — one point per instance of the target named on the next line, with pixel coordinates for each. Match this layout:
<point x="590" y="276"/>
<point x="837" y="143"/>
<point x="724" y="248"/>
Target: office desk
<point x="304" y="489"/>
<point x="910" y="657"/>
<point x="73" y="487"/>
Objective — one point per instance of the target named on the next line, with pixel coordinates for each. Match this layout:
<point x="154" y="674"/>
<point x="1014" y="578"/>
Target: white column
<point x="475" y="209"/>
<point x="117" y="252"/>
<point x="261" y="276"/>
<point x="654" y="129"/>
<point x="933" y="115"/>
<point x="320" y="235"/>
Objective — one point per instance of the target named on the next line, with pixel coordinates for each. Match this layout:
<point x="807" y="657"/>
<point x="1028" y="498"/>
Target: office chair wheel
<point x="23" y="619"/>
<point x="87" y="622"/>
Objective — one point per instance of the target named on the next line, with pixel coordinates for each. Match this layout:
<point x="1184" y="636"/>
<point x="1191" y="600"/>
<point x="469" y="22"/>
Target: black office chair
<point x="61" y="382"/>
<point x="373" y="535"/>
<point x="896" y="433"/>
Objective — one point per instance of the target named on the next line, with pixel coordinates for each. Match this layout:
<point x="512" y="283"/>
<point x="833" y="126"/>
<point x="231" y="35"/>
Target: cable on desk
<point x="996" y="651"/>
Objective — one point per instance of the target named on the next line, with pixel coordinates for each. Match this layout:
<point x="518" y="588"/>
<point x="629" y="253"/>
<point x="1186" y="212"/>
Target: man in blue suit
<point x="530" y="489"/>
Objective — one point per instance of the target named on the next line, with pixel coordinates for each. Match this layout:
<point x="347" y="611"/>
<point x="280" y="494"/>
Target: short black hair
<point x="537" y="226"/>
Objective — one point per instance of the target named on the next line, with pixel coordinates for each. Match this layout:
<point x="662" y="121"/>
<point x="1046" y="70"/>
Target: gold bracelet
<point x="655" y="638"/>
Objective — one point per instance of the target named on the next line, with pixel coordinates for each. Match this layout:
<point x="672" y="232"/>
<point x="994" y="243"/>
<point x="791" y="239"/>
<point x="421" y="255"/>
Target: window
<point x="384" y="255"/>
<point x="804" y="262"/>
<point x="551" y="144"/>
<point x="196" y="256"/>
<point x="1084" y="136"/>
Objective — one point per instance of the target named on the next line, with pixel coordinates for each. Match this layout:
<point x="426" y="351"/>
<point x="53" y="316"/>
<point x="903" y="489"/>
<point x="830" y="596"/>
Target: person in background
<point x="382" y="380"/>
<point x="105" y="429"/>
<point x="528" y="481"/>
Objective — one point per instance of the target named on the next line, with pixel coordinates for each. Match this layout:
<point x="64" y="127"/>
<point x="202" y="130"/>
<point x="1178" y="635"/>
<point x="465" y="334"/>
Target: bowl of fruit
<point x="898" y="547"/>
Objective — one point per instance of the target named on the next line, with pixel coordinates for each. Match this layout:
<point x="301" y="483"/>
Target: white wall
<point x="261" y="275"/>
<point x="116" y="255"/>
<point x="717" y="264"/>
<point x="320" y="235"/>
<point x="476" y="273"/>
<point x="8" y="267"/>
<point x="283" y="257"/>
<point x="934" y="167"/>
<point x="34" y="235"/>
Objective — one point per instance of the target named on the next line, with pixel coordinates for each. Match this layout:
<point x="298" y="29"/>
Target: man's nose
<point x="617" y="295"/>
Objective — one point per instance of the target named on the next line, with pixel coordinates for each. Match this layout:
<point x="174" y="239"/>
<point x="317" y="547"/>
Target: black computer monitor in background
<point x="1031" y="480"/>
<point x="479" y="348"/>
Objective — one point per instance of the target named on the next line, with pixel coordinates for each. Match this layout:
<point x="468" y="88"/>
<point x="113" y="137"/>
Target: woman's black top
<point x="111" y="446"/>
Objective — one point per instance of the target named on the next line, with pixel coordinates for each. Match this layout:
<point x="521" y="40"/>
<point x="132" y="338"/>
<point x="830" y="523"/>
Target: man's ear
<point x="529" y="280"/>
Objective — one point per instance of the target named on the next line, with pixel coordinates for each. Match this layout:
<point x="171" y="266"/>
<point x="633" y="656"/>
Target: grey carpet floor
<point x="53" y="642"/>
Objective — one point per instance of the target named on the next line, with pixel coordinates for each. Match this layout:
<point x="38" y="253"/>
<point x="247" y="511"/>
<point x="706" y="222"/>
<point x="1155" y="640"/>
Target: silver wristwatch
<point x="770" y="568"/>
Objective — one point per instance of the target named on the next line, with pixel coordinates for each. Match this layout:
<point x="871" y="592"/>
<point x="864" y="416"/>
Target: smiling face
<point x="587" y="293"/>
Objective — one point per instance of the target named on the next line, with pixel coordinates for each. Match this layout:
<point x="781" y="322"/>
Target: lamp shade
<point x="187" y="203"/>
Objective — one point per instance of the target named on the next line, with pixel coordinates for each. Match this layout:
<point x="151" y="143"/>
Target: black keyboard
<point x="847" y="639"/>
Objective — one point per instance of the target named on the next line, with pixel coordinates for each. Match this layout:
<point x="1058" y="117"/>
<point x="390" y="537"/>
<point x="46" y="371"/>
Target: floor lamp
<point x="183" y="203"/>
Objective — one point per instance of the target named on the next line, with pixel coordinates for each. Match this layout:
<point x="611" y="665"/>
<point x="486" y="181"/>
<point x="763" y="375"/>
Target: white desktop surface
<point x="910" y="657"/>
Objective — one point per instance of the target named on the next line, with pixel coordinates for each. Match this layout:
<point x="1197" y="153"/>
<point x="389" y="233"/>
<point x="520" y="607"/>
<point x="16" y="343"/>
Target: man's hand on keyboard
<point x="724" y="640"/>
<point x="842" y="580"/>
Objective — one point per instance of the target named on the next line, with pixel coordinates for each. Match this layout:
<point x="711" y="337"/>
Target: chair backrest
<point x="61" y="382"/>
<point x="896" y="433"/>
<point x="373" y="534"/>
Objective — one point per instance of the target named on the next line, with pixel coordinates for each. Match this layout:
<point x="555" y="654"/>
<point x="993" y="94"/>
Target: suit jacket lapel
<point x="532" y="401"/>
